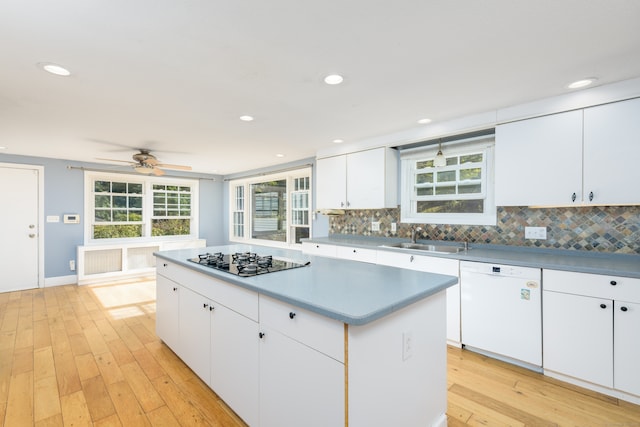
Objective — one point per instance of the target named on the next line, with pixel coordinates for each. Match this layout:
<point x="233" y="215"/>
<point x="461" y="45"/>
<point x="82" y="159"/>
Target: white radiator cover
<point x="98" y="264"/>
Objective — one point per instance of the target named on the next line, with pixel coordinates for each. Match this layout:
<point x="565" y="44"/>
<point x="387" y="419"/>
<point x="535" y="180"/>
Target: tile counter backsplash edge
<point x="607" y="229"/>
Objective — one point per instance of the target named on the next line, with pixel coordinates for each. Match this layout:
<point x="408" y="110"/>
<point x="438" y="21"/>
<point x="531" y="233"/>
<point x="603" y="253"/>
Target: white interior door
<point x="19" y="228"/>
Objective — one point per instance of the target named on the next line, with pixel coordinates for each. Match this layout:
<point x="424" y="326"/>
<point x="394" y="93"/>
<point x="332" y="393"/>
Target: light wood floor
<point x="88" y="355"/>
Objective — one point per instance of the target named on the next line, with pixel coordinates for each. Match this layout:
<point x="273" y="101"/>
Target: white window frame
<point x="408" y="205"/>
<point x="246" y="183"/>
<point x="147" y="182"/>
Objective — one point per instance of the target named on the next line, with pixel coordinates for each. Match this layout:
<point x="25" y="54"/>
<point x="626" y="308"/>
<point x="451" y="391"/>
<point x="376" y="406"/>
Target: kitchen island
<point x="330" y="343"/>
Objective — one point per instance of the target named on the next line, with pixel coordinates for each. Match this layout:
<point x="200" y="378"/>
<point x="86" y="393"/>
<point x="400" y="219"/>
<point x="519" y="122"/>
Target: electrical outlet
<point x="407" y="345"/>
<point x="393" y="227"/>
<point x="72" y="265"/>
<point x="375" y="225"/>
<point x="536" y="233"/>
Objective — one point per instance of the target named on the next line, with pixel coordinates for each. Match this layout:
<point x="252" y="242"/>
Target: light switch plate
<point x="375" y="225"/>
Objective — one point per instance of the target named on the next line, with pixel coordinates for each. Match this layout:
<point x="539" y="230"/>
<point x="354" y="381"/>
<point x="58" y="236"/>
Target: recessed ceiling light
<point x="338" y="141"/>
<point x="246" y="118"/>
<point x="56" y="69"/>
<point x="582" y="83"/>
<point x="279" y="155"/>
<point x="333" y="79"/>
<point x="424" y="121"/>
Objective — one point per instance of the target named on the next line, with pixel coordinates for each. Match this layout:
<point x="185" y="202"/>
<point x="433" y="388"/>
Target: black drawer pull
<point x="261" y="335"/>
<point x="623" y="308"/>
<point x="291" y="315"/>
<point x="613" y="283"/>
<point x="603" y="305"/>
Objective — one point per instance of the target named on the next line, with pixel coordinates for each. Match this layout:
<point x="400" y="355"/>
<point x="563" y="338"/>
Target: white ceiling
<point x="175" y="75"/>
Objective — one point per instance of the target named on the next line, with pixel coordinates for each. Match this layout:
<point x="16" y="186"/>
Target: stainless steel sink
<point x="427" y="248"/>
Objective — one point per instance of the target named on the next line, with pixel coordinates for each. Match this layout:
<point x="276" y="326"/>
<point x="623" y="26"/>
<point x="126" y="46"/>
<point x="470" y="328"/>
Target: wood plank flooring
<point x="88" y="355"/>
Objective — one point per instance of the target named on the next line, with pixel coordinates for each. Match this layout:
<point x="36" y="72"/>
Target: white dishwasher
<point x="502" y="311"/>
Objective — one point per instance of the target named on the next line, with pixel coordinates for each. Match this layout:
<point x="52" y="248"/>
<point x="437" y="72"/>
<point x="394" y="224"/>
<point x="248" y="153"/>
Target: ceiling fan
<point x="146" y="163"/>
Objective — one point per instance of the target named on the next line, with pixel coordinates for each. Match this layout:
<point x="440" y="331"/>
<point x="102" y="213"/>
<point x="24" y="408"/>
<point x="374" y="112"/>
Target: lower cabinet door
<point x="195" y="334"/>
<point x="626" y="347"/>
<point x="299" y="386"/>
<point x="578" y="337"/>
<point x="235" y="361"/>
<point x="168" y="311"/>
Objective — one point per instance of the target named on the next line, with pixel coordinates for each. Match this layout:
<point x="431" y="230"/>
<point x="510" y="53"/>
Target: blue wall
<point x="64" y="194"/>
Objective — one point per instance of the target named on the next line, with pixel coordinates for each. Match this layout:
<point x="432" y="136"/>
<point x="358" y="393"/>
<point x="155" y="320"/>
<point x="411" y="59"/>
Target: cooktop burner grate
<point x="245" y="264"/>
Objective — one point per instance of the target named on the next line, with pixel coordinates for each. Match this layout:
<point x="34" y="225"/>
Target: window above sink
<point x="460" y="192"/>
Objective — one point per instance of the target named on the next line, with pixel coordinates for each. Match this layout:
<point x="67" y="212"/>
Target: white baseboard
<point x="60" y="281"/>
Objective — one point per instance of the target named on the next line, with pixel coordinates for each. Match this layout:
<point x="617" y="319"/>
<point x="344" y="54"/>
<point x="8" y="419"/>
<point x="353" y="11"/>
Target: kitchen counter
<point x="351" y="292"/>
<point x="556" y="259"/>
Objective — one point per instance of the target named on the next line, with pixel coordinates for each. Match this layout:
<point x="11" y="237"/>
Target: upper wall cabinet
<point x="579" y="157"/>
<point x="362" y="180"/>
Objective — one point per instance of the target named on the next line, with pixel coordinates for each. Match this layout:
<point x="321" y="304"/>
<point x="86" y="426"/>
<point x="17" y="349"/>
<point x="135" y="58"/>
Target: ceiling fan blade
<point x="178" y="167"/>
<point x="115" y="160"/>
<point x="158" y="172"/>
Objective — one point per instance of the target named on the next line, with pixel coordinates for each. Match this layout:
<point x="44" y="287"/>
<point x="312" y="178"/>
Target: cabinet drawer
<point x="356" y="254"/>
<point x="319" y="249"/>
<point x="318" y="332"/>
<point x="419" y="262"/>
<point x="593" y="285"/>
<point x="236" y="298"/>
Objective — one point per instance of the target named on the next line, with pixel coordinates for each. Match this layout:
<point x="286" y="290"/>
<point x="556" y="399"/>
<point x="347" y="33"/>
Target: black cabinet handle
<point x="261" y="335"/>
<point x="164" y="265"/>
<point x="354" y="251"/>
<point x="623" y="308"/>
<point x="591" y="196"/>
<point x="613" y="283"/>
<point x="603" y="305"/>
<point x="211" y="308"/>
<point x="573" y="197"/>
<point x="291" y="315"/>
<point x="205" y="305"/>
<point x="175" y="289"/>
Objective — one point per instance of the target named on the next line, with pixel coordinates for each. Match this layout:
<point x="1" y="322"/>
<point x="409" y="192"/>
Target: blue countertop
<point x="355" y="293"/>
<point x="556" y="259"/>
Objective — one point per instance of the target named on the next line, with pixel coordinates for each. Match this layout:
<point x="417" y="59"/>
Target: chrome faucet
<point x="414" y="231"/>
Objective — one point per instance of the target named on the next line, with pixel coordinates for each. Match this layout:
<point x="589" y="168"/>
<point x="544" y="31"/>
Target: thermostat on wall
<point x="72" y="219"/>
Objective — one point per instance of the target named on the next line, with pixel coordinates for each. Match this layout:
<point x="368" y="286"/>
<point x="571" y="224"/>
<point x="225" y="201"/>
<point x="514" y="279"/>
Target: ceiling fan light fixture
<point x="440" y="160"/>
<point x="144" y="169"/>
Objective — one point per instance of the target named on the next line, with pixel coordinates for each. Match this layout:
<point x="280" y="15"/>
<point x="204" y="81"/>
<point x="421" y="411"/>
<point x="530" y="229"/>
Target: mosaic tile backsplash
<point x="611" y="229"/>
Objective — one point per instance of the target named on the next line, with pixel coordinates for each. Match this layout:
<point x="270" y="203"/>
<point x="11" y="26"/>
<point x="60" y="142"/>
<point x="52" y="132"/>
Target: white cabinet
<point x="168" y="311"/>
<point x="539" y="161"/>
<point x="626" y="349"/>
<point x="319" y="249"/>
<point x="578" y="337"/>
<point x="195" y="333"/>
<point x="450" y="267"/>
<point x="590" y="329"/>
<point x="362" y="180"/>
<point x="235" y="347"/>
<point x="611" y="152"/>
<point x="356" y="254"/>
<point x="574" y="158"/>
<point x="302" y="374"/>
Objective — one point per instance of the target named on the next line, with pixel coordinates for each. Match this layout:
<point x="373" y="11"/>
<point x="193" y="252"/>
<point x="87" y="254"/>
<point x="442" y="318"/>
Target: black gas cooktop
<point x="245" y="264"/>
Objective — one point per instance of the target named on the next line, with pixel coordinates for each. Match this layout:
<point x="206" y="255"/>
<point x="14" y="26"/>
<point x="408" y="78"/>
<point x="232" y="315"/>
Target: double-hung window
<point x="461" y="192"/>
<point x="271" y="209"/>
<point x="128" y="207"/>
